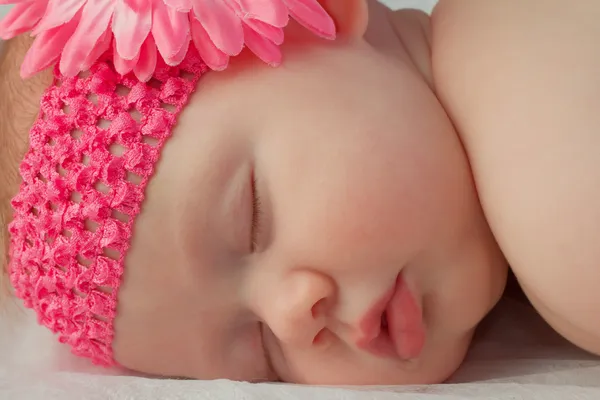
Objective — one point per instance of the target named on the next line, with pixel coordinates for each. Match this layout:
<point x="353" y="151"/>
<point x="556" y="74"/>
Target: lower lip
<point x="405" y="335"/>
<point x="405" y="322"/>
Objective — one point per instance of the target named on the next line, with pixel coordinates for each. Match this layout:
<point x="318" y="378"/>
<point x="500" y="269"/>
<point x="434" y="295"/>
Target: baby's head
<point x="315" y="223"/>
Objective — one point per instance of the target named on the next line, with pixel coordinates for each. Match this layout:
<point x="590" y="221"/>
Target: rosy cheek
<point x="375" y="224"/>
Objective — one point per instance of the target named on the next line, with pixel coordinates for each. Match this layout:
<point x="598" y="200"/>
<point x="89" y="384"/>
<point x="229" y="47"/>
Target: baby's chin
<point x="441" y="358"/>
<point x="440" y="364"/>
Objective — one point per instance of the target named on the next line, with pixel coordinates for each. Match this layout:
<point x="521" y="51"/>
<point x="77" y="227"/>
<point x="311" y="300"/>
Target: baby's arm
<point x="521" y="80"/>
<point x="19" y="107"/>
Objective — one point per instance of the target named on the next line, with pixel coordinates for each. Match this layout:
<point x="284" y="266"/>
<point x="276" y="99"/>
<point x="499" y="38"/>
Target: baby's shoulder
<point x="521" y="85"/>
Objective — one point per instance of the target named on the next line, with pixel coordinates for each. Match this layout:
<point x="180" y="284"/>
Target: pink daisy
<point x="76" y="33"/>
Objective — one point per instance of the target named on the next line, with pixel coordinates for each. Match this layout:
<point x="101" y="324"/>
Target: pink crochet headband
<point x="124" y="71"/>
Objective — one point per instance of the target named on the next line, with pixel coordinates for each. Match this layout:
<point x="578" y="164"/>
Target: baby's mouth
<point x="393" y="327"/>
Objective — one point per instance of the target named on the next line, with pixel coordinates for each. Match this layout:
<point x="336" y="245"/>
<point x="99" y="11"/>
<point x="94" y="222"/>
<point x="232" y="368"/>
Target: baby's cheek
<point x="359" y="226"/>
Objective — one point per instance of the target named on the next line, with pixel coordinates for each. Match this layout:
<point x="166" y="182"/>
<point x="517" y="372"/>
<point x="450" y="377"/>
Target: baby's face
<point x="286" y="206"/>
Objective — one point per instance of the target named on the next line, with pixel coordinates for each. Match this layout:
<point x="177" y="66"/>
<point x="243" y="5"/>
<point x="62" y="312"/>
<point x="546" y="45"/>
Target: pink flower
<point x="76" y="33"/>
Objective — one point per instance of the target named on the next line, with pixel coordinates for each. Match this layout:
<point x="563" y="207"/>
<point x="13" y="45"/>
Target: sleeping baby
<point x="195" y="197"/>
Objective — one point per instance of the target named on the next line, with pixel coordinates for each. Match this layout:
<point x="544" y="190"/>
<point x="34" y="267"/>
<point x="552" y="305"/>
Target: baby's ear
<point x="351" y="16"/>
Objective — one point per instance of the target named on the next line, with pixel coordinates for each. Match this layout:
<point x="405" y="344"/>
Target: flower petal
<point x="21" y="18"/>
<point x="144" y="69"/>
<point x="264" y="49"/>
<point x="101" y="47"/>
<point x="16" y="1"/>
<point x="58" y="13"/>
<point x="219" y="29"/>
<point x="122" y="66"/>
<point x="170" y="29"/>
<point x="273" y="12"/>
<point x="47" y="47"/>
<point x="270" y="32"/>
<point x="137" y="5"/>
<point x="222" y="25"/>
<point x="94" y="21"/>
<point x="311" y="15"/>
<point x="131" y="27"/>
<point x="213" y="57"/>
<point x="179" y="5"/>
<point x="177" y="58"/>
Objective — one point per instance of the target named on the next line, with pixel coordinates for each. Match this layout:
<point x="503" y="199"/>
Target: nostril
<point x="319" y="338"/>
<point x="318" y="308"/>
<point x="384" y="322"/>
<point x="324" y="338"/>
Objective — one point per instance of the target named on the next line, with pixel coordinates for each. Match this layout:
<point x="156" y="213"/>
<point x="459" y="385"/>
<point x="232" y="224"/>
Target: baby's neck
<point x="403" y="35"/>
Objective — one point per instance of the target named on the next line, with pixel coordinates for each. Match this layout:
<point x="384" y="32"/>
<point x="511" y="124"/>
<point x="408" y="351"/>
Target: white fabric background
<point x="516" y="356"/>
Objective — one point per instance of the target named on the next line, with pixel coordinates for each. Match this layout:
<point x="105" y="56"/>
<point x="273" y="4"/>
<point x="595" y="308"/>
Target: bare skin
<point x="521" y="84"/>
<point x="529" y="127"/>
<point x="335" y="231"/>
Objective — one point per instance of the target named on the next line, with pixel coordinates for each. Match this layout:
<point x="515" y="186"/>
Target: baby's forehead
<point x="318" y="83"/>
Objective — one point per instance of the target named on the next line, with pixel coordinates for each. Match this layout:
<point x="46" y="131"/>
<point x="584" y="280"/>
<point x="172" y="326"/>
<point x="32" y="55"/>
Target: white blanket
<point x="515" y="356"/>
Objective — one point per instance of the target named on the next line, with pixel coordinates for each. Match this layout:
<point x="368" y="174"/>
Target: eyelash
<point x="256" y="215"/>
<point x="256" y="219"/>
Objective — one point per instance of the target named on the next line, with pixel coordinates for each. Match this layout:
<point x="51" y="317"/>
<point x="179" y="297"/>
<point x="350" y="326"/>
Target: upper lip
<point x="370" y="325"/>
<point x="383" y="340"/>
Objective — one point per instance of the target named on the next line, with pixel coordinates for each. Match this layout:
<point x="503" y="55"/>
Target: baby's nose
<point x="302" y="307"/>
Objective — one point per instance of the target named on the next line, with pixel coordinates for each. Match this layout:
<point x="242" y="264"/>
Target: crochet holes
<point x="76" y="197"/>
<point x="116" y="149"/>
<point x="133" y="178"/>
<point x="155" y="84"/>
<point x="91" y="153"/>
<point x="50" y="240"/>
<point x="103" y="123"/>
<point x="100" y="317"/>
<point x="122" y="90"/>
<point x="104" y="289"/>
<point x="113" y="254"/>
<point x="186" y="75"/>
<point x="85" y="262"/>
<point x="169" y="107"/>
<point x="42" y="178"/>
<point x="91" y="226"/>
<point x="135" y="114"/>
<point x="61" y="171"/>
<point x="119" y="216"/>
<point x="76" y="134"/>
<point x="93" y="98"/>
<point x="101" y="187"/>
<point x="150" y="141"/>
<point x="61" y="268"/>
